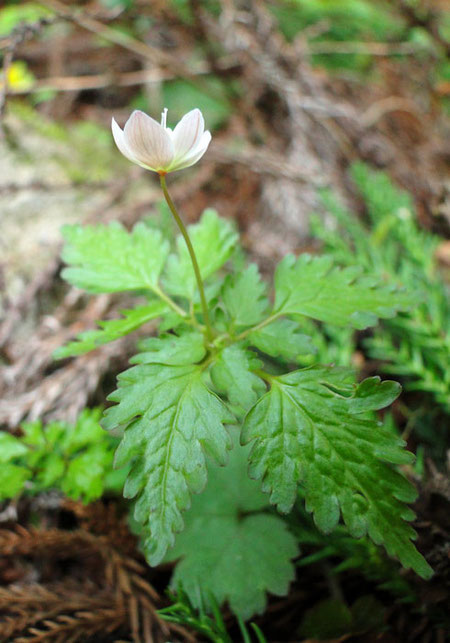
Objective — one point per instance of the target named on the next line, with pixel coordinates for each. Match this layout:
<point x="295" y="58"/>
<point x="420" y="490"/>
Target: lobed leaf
<point x="282" y="338"/>
<point x="111" y="330"/>
<point x="232" y="375"/>
<point x="245" y="299"/>
<point x="213" y="240"/>
<point x="230" y="549"/>
<point x="108" y="258"/>
<point x="313" y="428"/>
<point x="312" y="286"/>
<point x="172" y="422"/>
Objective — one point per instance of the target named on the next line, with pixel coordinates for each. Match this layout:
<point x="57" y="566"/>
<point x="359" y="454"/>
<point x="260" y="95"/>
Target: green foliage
<point x="231" y="548"/>
<point x="232" y="375"/>
<point x="214" y="240"/>
<point x="314" y="427"/>
<point x="172" y="421"/>
<point x="282" y="338"/>
<point x="308" y="285"/>
<point x="182" y="611"/>
<point x="244" y="297"/>
<point x="416" y="345"/>
<point x="76" y="459"/>
<point x="343" y="20"/>
<point x="14" y="15"/>
<point x="106" y="258"/>
<point x="112" y="329"/>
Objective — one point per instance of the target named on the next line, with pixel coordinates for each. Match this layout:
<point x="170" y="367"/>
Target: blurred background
<point x="330" y="133"/>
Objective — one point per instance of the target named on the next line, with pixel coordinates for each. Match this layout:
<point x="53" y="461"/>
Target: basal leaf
<point x="230" y="549"/>
<point x="314" y="428"/>
<point x="244" y="296"/>
<point x="282" y="338"/>
<point x="312" y="286"/>
<point x="213" y="239"/>
<point x="172" y="422"/>
<point x="232" y="375"/>
<point x="108" y="258"/>
<point x="111" y="330"/>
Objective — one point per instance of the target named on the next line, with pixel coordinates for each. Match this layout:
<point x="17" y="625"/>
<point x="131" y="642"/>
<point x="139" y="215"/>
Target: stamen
<point x="164" y="118"/>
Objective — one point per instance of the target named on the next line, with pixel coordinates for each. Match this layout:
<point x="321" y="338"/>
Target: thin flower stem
<point x="191" y="251"/>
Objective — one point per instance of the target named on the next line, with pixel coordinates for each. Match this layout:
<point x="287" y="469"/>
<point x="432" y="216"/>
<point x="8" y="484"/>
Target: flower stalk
<point x="190" y="247"/>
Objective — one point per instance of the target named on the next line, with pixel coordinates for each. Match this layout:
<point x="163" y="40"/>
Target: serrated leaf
<point x="108" y="258"/>
<point x="10" y="447"/>
<point x="313" y="427"/>
<point x="111" y="330"/>
<point x="312" y="286"/>
<point x="86" y="473"/>
<point x="230" y="549"/>
<point x="189" y="348"/>
<point x="213" y="240"/>
<point x="232" y="375"/>
<point x="12" y="479"/>
<point x="172" y="421"/>
<point x="282" y="338"/>
<point x="244" y="296"/>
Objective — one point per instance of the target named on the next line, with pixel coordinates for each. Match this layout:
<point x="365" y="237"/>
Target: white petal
<point x="188" y="133"/>
<point x="120" y="141"/>
<point x="148" y="142"/>
<point x="194" y="156"/>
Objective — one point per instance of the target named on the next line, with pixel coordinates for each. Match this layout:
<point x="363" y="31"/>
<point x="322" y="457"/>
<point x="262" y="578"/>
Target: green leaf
<point x="111" y="330"/>
<point x="214" y="240"/>
<point x="172" y="421"/>
<point x="231" y="374"/>
<point x="10" y="447"/>
<point x="282" y="338"/>
<point x="86" y="473"/>
<point x="51" y="470"/>
<point x="12" y="480"/>
<point x="314" y="427"/>
<point x="108" y="258"/>
<point x="244" y="296"/>
<point x="189" y="348"/>
<point x="230" y="549"/>
<point x="312" y="286"/>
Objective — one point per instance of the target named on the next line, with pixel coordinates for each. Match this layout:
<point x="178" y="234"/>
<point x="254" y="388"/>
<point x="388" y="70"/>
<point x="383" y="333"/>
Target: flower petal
<point x="193" y="156"/>
<point x="188" y="133"/>
<point x="120" y="141"/>
<point x="148" y="141"/>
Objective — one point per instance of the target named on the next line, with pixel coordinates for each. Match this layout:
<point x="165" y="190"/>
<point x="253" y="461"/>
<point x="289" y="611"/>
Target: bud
<point x="156" y="147"/>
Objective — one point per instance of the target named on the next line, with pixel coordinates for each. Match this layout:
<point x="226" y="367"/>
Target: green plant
<point x="416" y="344"/>
<point x="76" y="459"/>
<point x="182" y="611"/>
<point x="223" y="357"/>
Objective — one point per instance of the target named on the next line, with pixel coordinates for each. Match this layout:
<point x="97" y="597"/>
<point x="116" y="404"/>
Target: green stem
<point x="162" y="295"/>
<point x="262" y="324"/>
<point x="191" y="251"/>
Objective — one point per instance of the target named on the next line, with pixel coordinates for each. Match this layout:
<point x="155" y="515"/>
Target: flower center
<point x="164" y="118"/>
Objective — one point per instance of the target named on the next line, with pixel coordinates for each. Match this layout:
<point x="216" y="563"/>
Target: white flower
<point x="156" y="147"/>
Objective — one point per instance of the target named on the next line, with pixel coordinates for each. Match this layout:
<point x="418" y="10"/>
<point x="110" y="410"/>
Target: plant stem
<point x="262" y="324"/>
<point x="162" y="295"/>
<point x="191" y="251"/>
